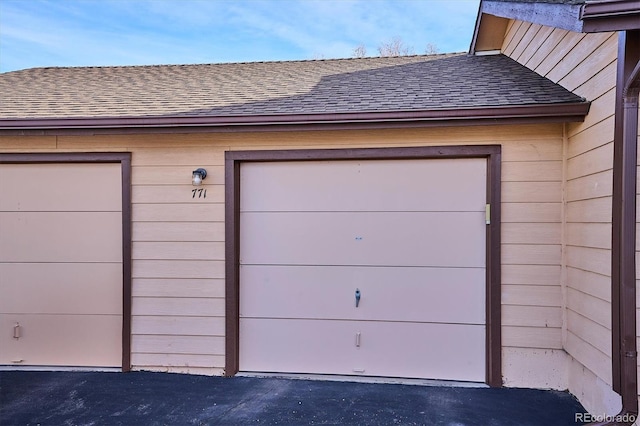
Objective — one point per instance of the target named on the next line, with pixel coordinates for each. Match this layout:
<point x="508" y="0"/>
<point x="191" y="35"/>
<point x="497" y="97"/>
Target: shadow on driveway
<point x="143" y="398"/>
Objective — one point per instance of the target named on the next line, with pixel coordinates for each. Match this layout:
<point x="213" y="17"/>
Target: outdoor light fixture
<point x="198" y="176"/>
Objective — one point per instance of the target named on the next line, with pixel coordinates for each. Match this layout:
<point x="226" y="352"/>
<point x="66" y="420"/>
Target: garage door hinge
<point x="487" y="214"/>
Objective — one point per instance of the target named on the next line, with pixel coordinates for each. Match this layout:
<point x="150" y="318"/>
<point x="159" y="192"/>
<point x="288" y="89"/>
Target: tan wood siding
<point x="178" y="241"/>
<point x="586" y="65"/>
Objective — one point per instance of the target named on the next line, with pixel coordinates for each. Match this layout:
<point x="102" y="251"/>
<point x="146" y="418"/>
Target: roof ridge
<point x="366" y="58"/>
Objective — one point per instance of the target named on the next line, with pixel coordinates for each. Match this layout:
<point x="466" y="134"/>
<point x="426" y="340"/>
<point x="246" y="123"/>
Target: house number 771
<point x="202" y="193"/>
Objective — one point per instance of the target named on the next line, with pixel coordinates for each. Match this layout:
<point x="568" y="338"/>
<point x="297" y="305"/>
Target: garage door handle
<point x="357" y="297"/>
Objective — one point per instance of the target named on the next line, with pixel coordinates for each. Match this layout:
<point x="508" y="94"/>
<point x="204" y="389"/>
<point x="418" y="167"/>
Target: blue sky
<point x="37" y="33"/>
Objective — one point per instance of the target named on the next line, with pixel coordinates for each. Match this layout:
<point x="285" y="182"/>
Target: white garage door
<point x="372" y="268"/>
<point x="61" y="264"/>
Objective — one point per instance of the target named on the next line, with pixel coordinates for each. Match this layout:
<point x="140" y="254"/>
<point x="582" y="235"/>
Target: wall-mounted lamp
<point x="198" y="176"/>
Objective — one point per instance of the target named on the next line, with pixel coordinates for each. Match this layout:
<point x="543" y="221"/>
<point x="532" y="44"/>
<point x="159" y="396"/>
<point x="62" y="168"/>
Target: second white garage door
<point x="372" y="268"/>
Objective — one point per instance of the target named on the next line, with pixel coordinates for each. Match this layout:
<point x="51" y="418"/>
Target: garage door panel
<point x="409" y="235"/>
<point x="60" y="187"/>
<point x="63" y="340"/>
<point x="60" y="237"/>
<point x="365" y="238"/>
<point x="412" y="350"/>
<point x="381" y="185"/>
<point x="57" y="288"/>
<point x="435" y="351"/>
<point x="445" y="295"/>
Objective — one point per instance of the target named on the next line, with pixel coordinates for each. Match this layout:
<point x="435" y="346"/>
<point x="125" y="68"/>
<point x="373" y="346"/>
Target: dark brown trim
<point x="233" y="162"/>
<point x="624" y="356"/>
<point x="563" y="111"/>
<point x="232" y="265"/>
<point x="125" y="163"/>
<point x="494" y="272"/>
<point x="612" y="15"/>
<point x="296" y="127"/>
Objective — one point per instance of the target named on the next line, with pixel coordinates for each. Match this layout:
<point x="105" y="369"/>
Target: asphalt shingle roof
<point x="406" y="83"/>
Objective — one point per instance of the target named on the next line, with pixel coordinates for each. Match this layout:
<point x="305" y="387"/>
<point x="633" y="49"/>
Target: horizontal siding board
<point x="133" y="142"/>
<point x="518" y="192"/>
<point x="531" y="233"/>
<point x="532" y="337"/>
<point x="536" y="275"/>
<point x="165" y="361"/>
<point x="601" y="109"/>
<point x="595" y="161"/>
<point x="589" y="259"/>
<point x="597" y="210"/>
<point x="178" y="269"/>
<point x="183" y="156"/>
<point x="175" y="194"/>
<point x="549" y="149"/>
<point x="520" y="254"/>
<point x="532" y="295"/>
<point x="589" y="235"/>
<point x="592" y="186"/>
<point x="178" y="287"/>
<point x="588" y="282"/>
<point x="589" y="331"/>
<point x="598" y="83"/>
<point x="532" y="316"/>
<point x="28" y="143"/>
<point x="178" y="250"/>
<point x="196" y="345"/>
<point x="178" y="231"/>
<point x="173" y="175"/>
<point x="531" y="212"/>
<point x="590" y="357"/>
<point x="532" y="171"/>
<point x="184" y="306"/>
<point x="178" y="325"/>
<point x="196" y="212"/>
<point x="590" y="307"/>
<point x="590" y="138"/>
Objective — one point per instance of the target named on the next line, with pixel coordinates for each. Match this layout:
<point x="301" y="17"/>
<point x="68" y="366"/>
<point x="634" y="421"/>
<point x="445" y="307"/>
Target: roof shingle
<point x="407" y="83"/>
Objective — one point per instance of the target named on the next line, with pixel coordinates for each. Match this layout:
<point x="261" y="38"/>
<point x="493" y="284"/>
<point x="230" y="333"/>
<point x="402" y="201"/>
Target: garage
<point x="61" y="261"/>
<point x="365" y="267"/>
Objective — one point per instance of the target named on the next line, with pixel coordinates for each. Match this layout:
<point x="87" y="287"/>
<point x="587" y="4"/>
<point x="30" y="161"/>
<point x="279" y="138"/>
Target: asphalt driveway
<point x="143" y="398"/>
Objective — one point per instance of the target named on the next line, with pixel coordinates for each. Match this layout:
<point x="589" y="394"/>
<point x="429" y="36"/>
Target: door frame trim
<point x="124" y="158"/>
<point x="492" y="153"/>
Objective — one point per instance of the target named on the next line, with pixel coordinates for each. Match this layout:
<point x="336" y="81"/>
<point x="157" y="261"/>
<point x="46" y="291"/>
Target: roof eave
<point x="612" y="15"/>
<point x="590" y="17"/>
<point x="568" y="112"/>
<point x="559" y="15"/>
